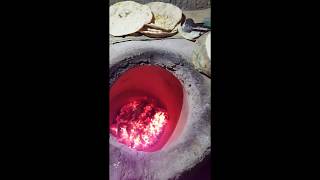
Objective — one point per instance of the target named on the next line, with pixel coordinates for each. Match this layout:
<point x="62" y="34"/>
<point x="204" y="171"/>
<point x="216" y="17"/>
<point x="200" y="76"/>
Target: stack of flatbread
<point x="165" y="20"/>
<point x="201" y="57"/>
<point x="155" y="19"/>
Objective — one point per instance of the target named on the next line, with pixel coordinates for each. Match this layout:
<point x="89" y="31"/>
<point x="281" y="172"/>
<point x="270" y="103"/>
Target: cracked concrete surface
<point x="193" y="143"/>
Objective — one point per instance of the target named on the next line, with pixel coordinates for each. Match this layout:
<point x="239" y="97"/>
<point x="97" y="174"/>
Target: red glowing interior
<point x="145" y="105"/>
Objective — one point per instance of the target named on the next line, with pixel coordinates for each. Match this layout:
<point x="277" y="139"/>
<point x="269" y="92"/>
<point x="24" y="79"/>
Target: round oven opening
<point x="145" y="106"/>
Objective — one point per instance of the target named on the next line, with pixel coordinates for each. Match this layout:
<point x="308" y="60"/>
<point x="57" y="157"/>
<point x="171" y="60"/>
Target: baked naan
<point x="128" y="17"/>
<point x="166" y="16"/>
<point x="157" y="33"/>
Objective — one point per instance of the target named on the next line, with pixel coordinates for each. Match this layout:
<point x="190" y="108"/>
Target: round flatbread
<point x="201" y="57"/>
<point x="208" y="45"/>
<point x="157" y="33"/>
<point x="166" y="16"/>
<point x="128" y="17"/>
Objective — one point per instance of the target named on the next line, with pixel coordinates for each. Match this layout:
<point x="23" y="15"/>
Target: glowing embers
<point x="140" y="123"/>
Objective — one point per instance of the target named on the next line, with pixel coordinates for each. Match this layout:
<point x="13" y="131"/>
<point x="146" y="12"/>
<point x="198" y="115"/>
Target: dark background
<point x="54" y="71"/>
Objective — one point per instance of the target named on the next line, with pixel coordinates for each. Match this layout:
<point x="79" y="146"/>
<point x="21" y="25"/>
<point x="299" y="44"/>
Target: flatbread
<point x="166" y="16"/>
<point x="208" y="45"/>
<point x="201" y="57"/>
<point x="128" y="17"/>
<point x="157" y="33"/>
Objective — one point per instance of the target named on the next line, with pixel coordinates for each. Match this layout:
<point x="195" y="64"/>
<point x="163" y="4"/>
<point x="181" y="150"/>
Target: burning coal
<point x="139" y="123"/>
